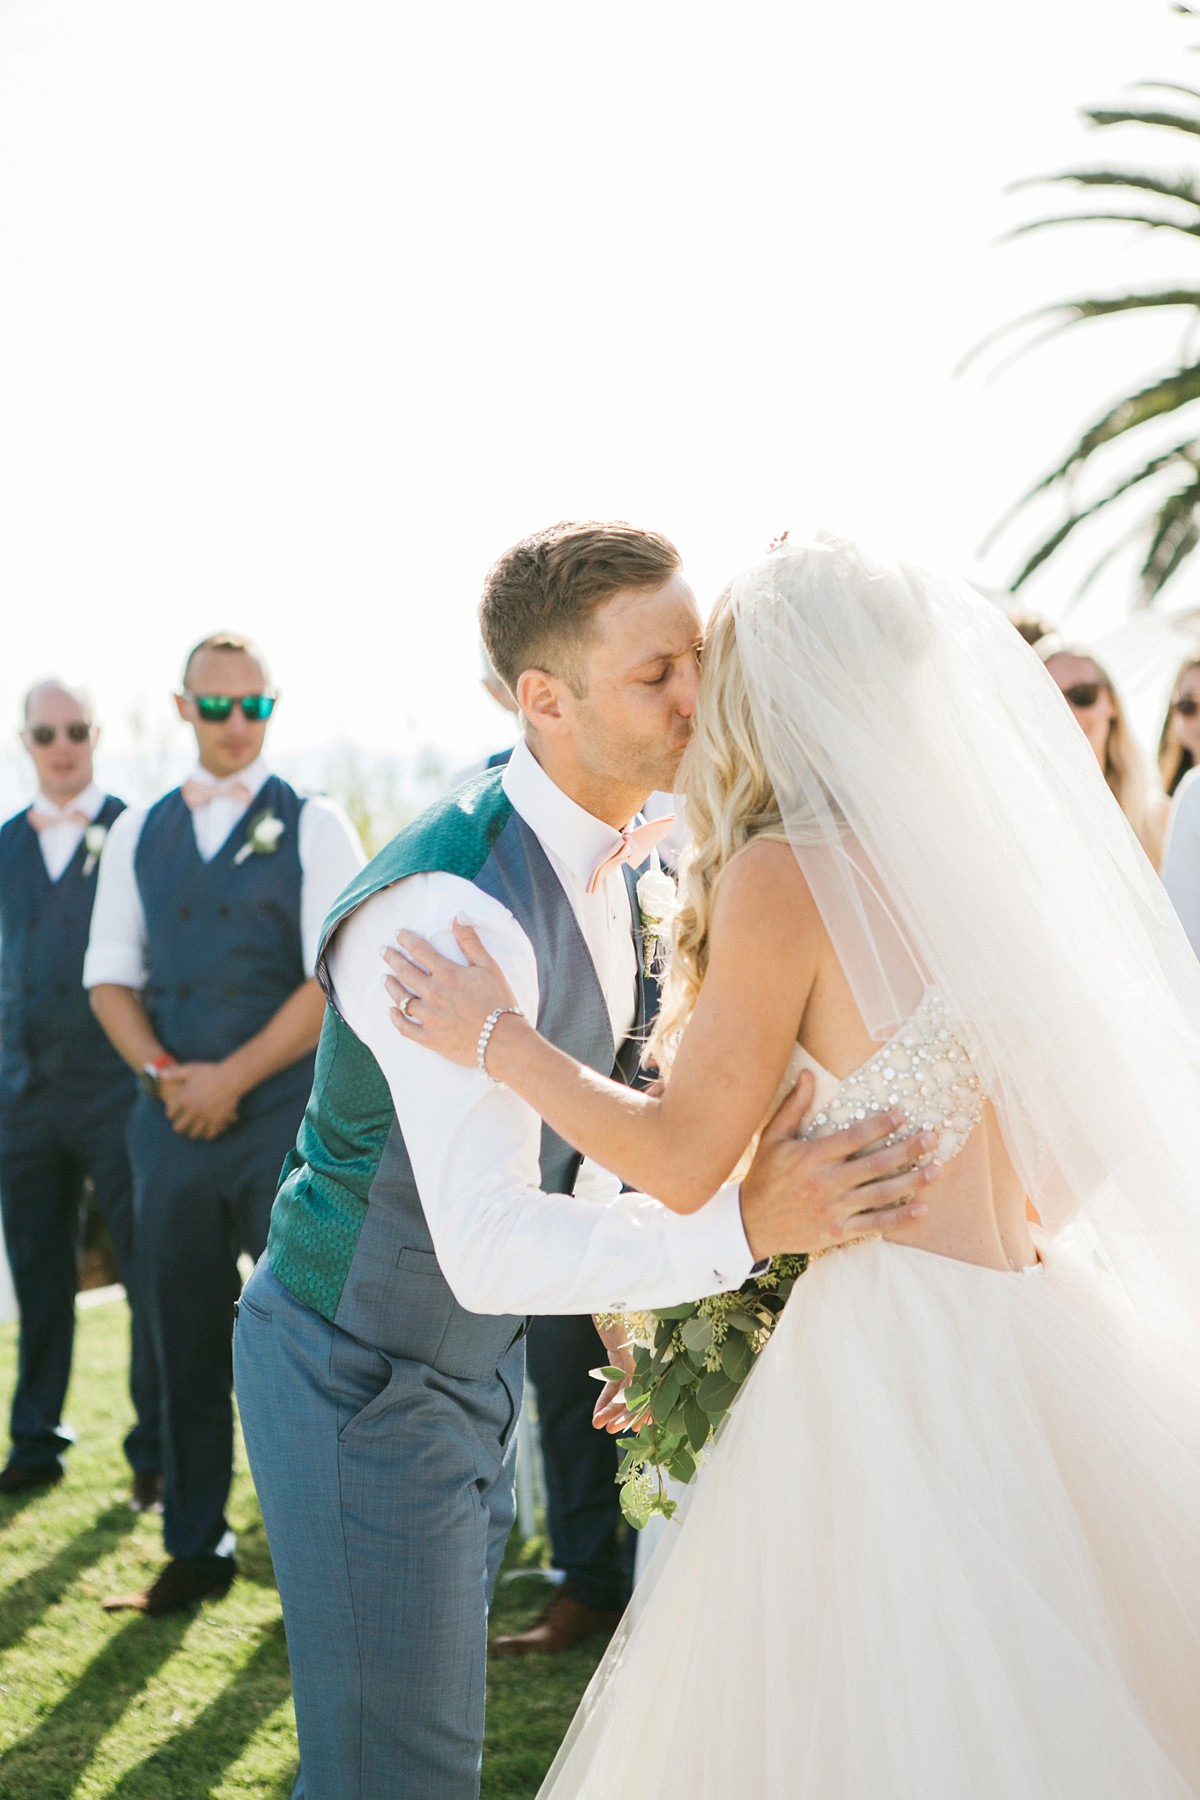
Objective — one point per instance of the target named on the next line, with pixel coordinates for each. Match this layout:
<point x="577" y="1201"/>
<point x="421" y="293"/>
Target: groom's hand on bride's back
<point x="808" y="1194"/>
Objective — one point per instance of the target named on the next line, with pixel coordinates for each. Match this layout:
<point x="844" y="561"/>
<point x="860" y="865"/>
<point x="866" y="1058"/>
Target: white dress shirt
<point x="504" y="1245"/>
<point x="58" y="843"/>
<point x="330" y="855"/>
<point x="1181" y="856"/>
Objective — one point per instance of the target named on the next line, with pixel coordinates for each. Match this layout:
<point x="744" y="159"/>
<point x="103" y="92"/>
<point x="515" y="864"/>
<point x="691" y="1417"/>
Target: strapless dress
<point x="947" y="1546"/>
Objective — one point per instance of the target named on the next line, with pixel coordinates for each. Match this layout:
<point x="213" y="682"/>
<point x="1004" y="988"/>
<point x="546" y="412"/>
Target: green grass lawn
<point x="197" y="1704"/>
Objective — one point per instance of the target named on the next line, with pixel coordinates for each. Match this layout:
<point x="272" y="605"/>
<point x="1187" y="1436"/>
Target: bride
<point x="948" y="1542"/>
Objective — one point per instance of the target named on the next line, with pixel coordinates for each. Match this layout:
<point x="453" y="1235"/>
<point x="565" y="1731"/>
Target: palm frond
<point x="1183" y="188"/>
<point x="1109" y="218"/>
<point x="1187" y="452"/>
<point x="1165" y="87"/>
<point x="1175" y="535"/>
<point x="1046" y="549"/>
<point x="1168" y="394"/>
<point x="1098" y="306"/>
<point x="1169" y="529"/>
<point x="1132" y="115"/>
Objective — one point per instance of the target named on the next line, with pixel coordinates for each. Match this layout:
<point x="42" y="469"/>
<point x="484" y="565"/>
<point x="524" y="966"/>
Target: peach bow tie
<point x="198" y="794"/>
<point x="636" y="846"/>
<point x="47" y="821"/>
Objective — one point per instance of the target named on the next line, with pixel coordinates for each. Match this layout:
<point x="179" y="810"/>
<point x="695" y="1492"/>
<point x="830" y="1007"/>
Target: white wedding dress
<point x="947" y="1546"/>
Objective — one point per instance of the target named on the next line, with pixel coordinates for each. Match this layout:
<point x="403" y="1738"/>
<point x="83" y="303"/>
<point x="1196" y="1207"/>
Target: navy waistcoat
<point x="47" y="1029"/>
<point x="223" y="942"/>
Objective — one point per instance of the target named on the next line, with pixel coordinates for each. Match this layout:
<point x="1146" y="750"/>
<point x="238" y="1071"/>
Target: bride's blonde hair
<point x="730" y="801"/>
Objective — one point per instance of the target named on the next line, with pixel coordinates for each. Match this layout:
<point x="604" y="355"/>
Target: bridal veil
<point x="956" y="831"/>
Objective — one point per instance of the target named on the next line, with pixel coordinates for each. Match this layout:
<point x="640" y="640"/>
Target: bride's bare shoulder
<point x="763" y="882"/>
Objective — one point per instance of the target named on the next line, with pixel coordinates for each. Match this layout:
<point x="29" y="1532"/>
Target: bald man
<point x="65" y="1094"/>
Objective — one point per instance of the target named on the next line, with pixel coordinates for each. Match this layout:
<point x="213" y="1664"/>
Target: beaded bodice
<point x="925" y="1070"/>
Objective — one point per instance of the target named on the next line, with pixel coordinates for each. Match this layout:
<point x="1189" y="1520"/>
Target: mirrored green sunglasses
<point x="214" y="708"/>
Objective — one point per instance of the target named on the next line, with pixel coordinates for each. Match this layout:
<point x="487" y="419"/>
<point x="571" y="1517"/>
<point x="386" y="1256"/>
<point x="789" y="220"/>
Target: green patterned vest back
<point x="348" y="1233"/>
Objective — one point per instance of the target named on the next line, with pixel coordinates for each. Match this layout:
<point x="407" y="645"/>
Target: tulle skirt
<point x="946" y="1548"/>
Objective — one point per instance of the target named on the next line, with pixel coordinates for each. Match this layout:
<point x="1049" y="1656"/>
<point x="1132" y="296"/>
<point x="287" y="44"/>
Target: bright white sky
<point x="307" y="310"/>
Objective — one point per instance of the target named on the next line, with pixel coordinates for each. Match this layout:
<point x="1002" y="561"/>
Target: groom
<point x="426" y="1211"/>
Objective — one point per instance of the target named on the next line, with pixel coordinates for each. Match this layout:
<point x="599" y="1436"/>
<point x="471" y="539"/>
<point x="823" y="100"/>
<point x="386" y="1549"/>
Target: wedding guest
<point x="65" y="1095"/>
<point x="200" y="966"/>
<point x="1179" y="740"/>
<point x="1089" y="692"/>
<point x="1033" y="626"/>
<point x="1178" y="760"/>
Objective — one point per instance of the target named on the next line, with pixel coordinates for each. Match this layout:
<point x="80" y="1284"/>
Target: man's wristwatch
<point x="150" y="1074"/>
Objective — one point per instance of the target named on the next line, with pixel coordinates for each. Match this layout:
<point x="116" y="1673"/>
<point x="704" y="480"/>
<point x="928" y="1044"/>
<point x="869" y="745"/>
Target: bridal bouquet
<point x="688" y="1364"/>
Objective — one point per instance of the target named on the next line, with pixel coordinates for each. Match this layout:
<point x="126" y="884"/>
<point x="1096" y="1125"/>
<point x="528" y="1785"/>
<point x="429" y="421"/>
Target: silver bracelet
<point x="485" y="1036"/>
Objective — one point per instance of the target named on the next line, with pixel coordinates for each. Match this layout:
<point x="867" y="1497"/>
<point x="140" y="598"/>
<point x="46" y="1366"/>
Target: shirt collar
<point x="254" y="775"/>
<point x="89" y="801"/>
<point x="577" y="838"/>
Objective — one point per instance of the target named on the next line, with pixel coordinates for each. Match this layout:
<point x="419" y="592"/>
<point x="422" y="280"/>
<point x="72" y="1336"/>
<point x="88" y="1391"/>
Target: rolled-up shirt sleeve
<point x="116" y="949"/>
<point x="504" y="1245"/>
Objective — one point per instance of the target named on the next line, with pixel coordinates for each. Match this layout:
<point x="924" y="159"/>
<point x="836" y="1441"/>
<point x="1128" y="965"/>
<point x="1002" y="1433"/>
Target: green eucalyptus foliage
<point x="686" y="1380"/>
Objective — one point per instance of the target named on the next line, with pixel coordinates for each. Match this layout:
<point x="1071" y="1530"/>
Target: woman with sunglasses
<point x="1179" y="740"/>
<point x="1178" y="756"/>
<point x="1088" y="689"/>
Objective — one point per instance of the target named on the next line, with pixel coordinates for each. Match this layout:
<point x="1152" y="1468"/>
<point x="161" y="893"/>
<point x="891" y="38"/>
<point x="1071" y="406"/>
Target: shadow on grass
<point x="66" y="1737"/>
<point x="12" y="1505"/>
<point x="192" y="1763"/>
<point x="253" y="1554"/>
<point x="24" y="1600"/>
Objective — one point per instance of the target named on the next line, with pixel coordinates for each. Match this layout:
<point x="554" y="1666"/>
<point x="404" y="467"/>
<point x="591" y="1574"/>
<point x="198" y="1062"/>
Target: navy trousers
<point x="387" y="1494"/>
<point x="583" y="1508"/>
<point x="197" y="1207"/>
<point x="51" y="1138"/>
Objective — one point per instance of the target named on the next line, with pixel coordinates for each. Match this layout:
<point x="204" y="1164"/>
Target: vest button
<point x="222" y="912"/>
<point x="184" y="992"/>
<point x="63" y="988"/>
<point x="185" y="912"/>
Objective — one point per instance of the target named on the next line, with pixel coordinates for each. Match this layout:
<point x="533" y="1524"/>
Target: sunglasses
<point x="214" y="709"/>
<point x="1083" y="694"/>
<point x="79" y="731"/>
<point x="1187" y="708"/>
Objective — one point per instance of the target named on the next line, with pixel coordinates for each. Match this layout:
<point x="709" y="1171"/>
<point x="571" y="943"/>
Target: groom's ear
<point x="539" y="696"/>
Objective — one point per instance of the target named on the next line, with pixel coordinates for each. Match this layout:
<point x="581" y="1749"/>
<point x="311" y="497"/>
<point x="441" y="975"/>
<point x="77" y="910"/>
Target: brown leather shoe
<point x="180" y="1584"/>
<point x="147" y="1492"/>
<point x="14" y="1480"/>
<point x="565" y="1623"/>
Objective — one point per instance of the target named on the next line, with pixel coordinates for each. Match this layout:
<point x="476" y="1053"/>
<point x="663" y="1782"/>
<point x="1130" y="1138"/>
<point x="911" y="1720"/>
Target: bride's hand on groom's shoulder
<point x="442" y="1004"/>
<point x="802" y="1195"/>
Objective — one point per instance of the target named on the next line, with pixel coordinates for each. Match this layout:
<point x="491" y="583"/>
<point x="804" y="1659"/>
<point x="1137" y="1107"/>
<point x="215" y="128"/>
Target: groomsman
<point x="200" y="967"/>
<point x="65" y="1095"/>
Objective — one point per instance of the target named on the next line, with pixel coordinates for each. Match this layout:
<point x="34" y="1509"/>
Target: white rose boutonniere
<point x="263" y="837"/>
<point x="93" y="842"/>
<point x="658" y="903"/>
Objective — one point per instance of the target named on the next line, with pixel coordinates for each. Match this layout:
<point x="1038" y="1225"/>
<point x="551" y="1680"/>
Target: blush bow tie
<point x="47" y="821"/>
<point x="636" y="845"/>
<point x="198" y="794"/>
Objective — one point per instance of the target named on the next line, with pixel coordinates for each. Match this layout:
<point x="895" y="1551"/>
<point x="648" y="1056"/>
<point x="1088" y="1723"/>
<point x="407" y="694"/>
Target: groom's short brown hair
<point x="540" y="598"/>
